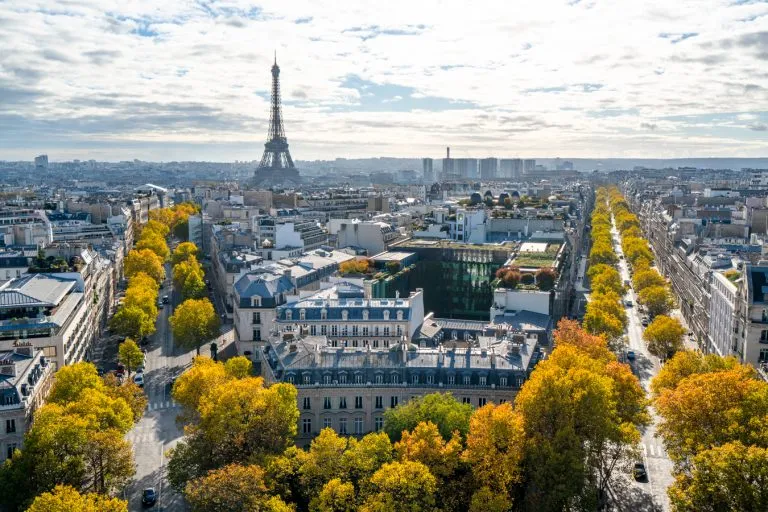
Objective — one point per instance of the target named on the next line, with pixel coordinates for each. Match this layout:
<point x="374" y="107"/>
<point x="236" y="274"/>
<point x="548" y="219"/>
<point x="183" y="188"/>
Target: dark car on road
<point x="149" y="497"/>
<point x="630" y="355"/>
<point x="639" y="472"/>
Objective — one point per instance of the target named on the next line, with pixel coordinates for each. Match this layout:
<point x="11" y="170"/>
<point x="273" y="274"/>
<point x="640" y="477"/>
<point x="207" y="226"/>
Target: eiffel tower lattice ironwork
<point x="276" y="165"/>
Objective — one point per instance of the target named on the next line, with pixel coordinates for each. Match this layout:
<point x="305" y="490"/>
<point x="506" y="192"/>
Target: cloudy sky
<point x="171" y="79"/>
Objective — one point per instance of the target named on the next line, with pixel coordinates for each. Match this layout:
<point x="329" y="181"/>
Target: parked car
<point x="630" y="355"/>
<point x="639" y="472"/>
<point x="628" y="303"/>
<point x="645" y="321"/>
<point x="165" y="299"/>
<point x="138" y="379"/>
<point x="148" y="497"/>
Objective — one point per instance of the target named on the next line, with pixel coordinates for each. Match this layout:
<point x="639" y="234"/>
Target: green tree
<point x="193" y="323"/>
<point x="656" y="299"/>
<point x="183" y="252"/>
<point x="65" y="498"/>
<point x="664" y="336"/>
<point x="194" y="286"/>
<point x="129" y="354"/>
<point x="401" y="487"/>
<point x="728" y="477"/>
<point x="487" y="500"/>
<point x="238" y="367"/>
<point x="442" y="409"/>
<point x="132" y="322"/>
<point x="336" y="496"/>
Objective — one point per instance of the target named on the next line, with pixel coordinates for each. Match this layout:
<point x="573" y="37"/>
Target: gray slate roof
<point x="35" y="290"/>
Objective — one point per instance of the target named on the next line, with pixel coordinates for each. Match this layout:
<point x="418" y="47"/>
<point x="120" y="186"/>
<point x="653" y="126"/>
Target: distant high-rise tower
<point x="489" y="168"/>
<point x="428" y="176"/>
<point x="276" y="167"/>
<point x="41" y="162"/>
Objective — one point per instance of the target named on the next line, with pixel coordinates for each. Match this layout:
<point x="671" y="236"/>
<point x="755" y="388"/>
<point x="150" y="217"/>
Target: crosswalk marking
<point x="153" y="406"/>
<point x="653" y="450"/>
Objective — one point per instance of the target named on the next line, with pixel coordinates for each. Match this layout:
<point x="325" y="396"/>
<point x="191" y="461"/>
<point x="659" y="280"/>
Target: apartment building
<point x="26" y="376"/>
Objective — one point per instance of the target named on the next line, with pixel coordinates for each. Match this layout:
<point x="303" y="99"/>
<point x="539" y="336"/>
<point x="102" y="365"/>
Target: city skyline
<point x="183" y="81"/>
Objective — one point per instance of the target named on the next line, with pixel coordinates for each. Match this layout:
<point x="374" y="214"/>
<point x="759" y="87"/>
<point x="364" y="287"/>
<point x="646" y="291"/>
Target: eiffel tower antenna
<point x="276" y="163"/>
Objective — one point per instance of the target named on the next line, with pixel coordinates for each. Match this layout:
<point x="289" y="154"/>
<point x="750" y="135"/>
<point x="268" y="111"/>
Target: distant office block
<point x="41" y="162"/>
<point x="529" y="166"/>
<point x="510" y="168"/>
<point x="489" y="168"/>
<point x="428" y="170"/>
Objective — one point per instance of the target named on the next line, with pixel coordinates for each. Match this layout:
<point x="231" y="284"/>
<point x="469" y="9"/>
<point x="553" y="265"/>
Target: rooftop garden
<point x="511" y="277"/>
<point x="732" y="275"/>
<point x="537" y="259"/>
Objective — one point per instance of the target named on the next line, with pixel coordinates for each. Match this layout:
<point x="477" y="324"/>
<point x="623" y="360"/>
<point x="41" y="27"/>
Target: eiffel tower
<point x="276" y="167"/>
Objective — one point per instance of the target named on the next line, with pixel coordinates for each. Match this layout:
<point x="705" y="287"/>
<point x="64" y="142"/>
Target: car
<point x="160" y="304"/>
<point x="621" y="256"/>
<point x="639" y="472"/>
<point x="630" y="355"/>
<point x="645" y="321"/>
<point x="148" y="497"/>
<point x="138" y="379"/>
<point x="628" y="303"/>
<point x="165" y="299"/>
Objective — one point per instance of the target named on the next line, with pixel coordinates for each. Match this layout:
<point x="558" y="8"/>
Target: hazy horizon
<point x="177" y="80"/>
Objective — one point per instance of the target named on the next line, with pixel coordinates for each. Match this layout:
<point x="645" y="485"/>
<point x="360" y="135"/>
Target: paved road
<point x="157" y="431"/>
<point x="649" y="495"/>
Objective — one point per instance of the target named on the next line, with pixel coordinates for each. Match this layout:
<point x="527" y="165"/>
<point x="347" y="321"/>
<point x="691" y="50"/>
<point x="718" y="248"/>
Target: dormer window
<point x="344" y="315"/>
<point x="365" y="314"/>
<point x="386" y="314"/>
<point x="302" y="314"/>
<point x="323" y="314"/>
<point x="289" y="315"/>
<point x="399" y="315"/>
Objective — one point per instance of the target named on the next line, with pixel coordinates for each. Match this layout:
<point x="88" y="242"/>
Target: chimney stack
<point x="448" y="152"/>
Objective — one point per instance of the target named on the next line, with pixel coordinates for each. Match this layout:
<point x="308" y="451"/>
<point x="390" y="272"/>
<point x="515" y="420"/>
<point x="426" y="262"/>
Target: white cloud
<point x="593" y="79"/>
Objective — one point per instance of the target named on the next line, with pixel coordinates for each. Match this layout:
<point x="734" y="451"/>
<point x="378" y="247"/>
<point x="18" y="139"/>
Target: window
<point x="10" y="426"/>
<point x="307" y="403"/>
<point x="355" y="331"/>
<point x="482" y="380"/>
<point x="257" y="335"/>
<point x="334" y="330"/>
<point x="256" y="318"/>
<point x="345" y="315"/>
<point x="400" y="315"/>
<point x="327" y="402"/>
<point x="365" y="330"/>
<point x="306" y="378"/>
<point x="378" y="422"/>
<point x="326" y="422"/>
<point x="376" y="331"/>
<point x="414" y="379"/>
<point x="481" y="401"/>
<point x="344" y="330"/>
<point x="342" y="378"/>
<point x="765" y="315"/>
<point x="386" y="331"/>
<point x="302" y="314"/>
<point x="395" y="379"/>
<point x="358" y="378"/>
<point x="502" y="401"/>
<point x="11" y="449"/>
<point x="375" y="343"/>
<point x="386" y="314"/>
<point x="323" y="314"/>
<point x="358" y="402"/>
<point x="393" y="401"/>
<point x="379" y="378"/>
<point x="365" y="314"/>
<point x="342" y="402"/>
<point x="342" y="425"/>
<point x="763" y="336"/>
<point x="379" y="402"/>
<point x="465" y="400"/>
<point x="502" y="381"/>
<point x="324" y="330"/>
<point x="466" y="380"/>
<point x="399" y="330"/>
<point x="306" y="426"/>
<point x="451" y="379"/>
<point x="288" y="314"/>
<point x="354" y="343"/>
<point x="358" y="426"/>
<point x="430" y="379"/>
<point x="763" y="355"/>
<point x="313" y="330"/>
<point x="326" y="379"/>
